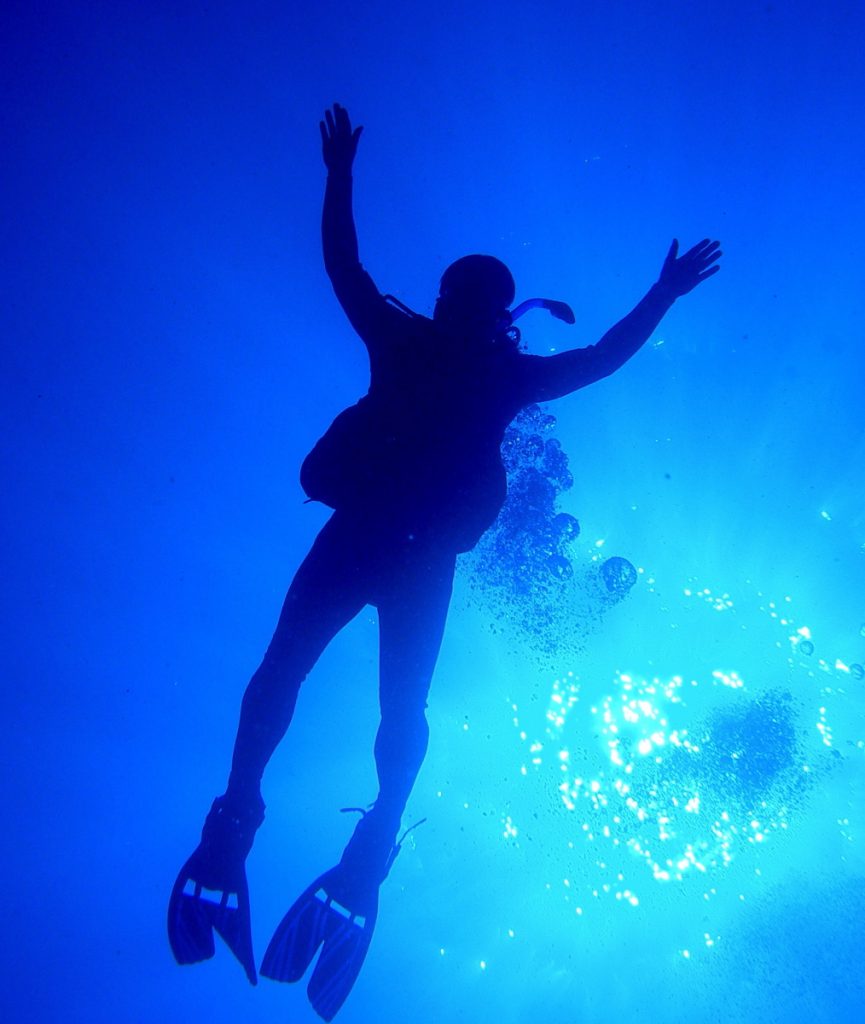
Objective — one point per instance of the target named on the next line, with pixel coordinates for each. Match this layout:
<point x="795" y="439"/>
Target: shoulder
<point x="524" y="366"/>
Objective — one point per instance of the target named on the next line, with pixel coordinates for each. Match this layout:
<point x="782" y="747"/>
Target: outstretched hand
<point x="338" y="141"/>
<point x="681" y="274"/>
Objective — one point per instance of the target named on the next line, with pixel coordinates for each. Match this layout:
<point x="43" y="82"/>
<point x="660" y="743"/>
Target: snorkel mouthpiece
<point x="560" y="310"/>
<point x="508" y="329"/>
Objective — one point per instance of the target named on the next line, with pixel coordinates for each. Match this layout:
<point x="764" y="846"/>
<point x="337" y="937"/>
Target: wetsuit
<point x="415" y="476"/>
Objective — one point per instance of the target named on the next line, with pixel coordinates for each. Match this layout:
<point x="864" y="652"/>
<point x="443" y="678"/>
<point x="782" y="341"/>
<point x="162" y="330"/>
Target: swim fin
<point x="318" y="918"/>
<point x="338" y="912"/>
<point x="211" y="891"/>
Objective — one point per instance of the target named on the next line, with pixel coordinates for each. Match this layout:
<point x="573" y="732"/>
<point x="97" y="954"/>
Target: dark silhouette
<point x="414" y="475"/>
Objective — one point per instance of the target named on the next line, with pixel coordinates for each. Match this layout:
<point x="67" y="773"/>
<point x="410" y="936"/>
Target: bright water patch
<point x="694" y="763"/>
<point x="688" y="793"/>
<point x="691" y="759"/>
<point x="677" y="795"/>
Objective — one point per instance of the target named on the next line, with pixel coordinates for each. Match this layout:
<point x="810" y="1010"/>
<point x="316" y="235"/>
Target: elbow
<point x="607" y="370"/>
<point x="338" y="265"/>
<point x="609" y="359"/>
<point x="331" y="267"/>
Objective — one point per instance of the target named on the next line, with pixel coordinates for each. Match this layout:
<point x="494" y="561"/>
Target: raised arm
<point x="338" y="148"/>
<point x="550" y="377"/>
<point x="354" y="288"/>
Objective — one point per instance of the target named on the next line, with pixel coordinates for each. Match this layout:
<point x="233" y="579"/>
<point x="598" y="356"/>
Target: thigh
<point x="329" y="588"/>
<point x="412" y="614"/>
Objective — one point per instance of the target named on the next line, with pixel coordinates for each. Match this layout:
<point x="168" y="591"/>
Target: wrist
<point x="664" y="292"/>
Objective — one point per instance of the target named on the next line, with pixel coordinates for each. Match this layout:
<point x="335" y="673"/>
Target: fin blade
<point x="235" y="928"/>
<point x="296" y="939"/>
<point x="189" y="931"/>
<point x="339" y="965"/>
<point x="192" y="920"/>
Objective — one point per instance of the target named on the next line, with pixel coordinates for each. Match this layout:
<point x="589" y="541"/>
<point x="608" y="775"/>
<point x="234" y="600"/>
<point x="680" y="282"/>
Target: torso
<point x="429" y="431"/>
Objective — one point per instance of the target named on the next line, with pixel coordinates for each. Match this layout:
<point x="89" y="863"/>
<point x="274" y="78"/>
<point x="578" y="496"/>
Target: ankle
<point x="243" y="793"/>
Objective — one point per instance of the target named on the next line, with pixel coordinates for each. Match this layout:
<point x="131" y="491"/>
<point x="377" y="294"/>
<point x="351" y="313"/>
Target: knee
<point x="403" y="705"/>
<point x="273" y="683"/>
<point x="405" y="724"/>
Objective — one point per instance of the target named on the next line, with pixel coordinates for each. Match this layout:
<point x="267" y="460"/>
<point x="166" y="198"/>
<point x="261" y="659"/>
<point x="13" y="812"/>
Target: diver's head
<point x="475" y="290"/>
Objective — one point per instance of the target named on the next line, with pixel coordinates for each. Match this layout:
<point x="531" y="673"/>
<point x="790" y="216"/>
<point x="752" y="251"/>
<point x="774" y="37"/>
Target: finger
<point x="342" y="119"/>
<point x="708" y="256"/>
<point x="709" y="252"/>
<point x="674" y="248"/>
<point x="707" y="273"/>
<point x="696" y="249"/>
<point x="323" y="130"/>
<point x="330" y="123"/>
<point x="709" y="247"/>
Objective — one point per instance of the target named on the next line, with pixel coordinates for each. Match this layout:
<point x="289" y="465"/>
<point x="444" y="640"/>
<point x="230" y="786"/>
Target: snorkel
<point x="560" y="310"/>
<point x="505" y="326"/>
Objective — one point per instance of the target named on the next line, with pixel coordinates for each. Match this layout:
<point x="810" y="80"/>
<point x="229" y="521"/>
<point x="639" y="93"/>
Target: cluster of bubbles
<point x="530" y="535"/>
<point x="679" y="796"/>
<point x="525" y="570"/>
<point x="678" y="789"/>
<point x="658" y="778"/>
<point x="661" y="789"/>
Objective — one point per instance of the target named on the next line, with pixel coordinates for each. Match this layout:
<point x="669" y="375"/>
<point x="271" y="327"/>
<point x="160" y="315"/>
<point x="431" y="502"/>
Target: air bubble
<point x="618" y="575"/>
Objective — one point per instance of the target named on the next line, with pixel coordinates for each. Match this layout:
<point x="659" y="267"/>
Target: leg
<point x="338" y="910"/>
<point x="211" y="892"/>
<point x="329" y="589"/>
<point x="412" y="618"/>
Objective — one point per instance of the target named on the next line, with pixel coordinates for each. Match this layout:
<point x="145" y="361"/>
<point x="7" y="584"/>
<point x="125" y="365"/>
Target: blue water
<point x="649" y="807"/>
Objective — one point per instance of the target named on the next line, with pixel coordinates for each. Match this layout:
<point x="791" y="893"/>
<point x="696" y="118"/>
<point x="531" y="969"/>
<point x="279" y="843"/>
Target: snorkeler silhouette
<point x="414" y="475"/>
